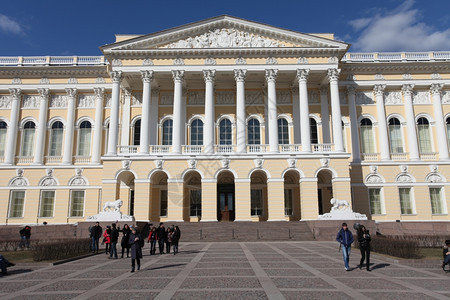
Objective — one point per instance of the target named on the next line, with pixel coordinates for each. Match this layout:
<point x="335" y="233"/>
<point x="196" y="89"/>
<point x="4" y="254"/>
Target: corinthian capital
<point x="116" y="76"/>
<point x="333" y="74"/>
<point x="43" y="93"/>
<point x="178" y="75"/>
<point x="15" y="93"/>
<point x="271" y="74"/>
<point x="302" y="74"/>
<point x="147" y="76"/>
<point x="379" y="89"/>
<point x="436" y="88"/>
<point x="240" y="74"/>
<point x="71" y="93"/>
<point x="209" y="75"/>
<point x="407" y="89"/>
<point x="99" y="92"/>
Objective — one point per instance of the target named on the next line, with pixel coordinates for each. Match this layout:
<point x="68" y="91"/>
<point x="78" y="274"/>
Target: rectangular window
<point x="256" y="203"/>
<point x="17" y="204"/>
<point x="436" y="201"/>
<point x="2" y="141"/>
<point x="163" y="204"/>
<point x="288" y="202"/>
<point x="405" y="201"/>
<point x="195" y="203"/>
<point x="375" y="201"/>
<point x="47" y="204"/>
<point x="77" y="204"/>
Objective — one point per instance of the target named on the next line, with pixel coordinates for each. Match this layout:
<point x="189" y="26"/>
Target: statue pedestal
<point x="110" y="216"/>
<point x="342" y="214"/>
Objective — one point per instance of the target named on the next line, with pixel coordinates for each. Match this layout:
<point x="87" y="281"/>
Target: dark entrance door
<point x="225" y="202"/>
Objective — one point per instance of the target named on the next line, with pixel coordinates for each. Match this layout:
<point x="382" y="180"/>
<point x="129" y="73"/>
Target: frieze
<point x="254" y="97"/>
<point x="364" y="97"/>
<point x="225" y="38"/>
<point x="17" y="80"/>
<point x="313" y="96"/>
<point x="196" y="97"/>
<point x="5" y="101"/>
<point x="166" y="98"/>
<point x="108" y="100"/>
<point x="100" y="80"/>
<point x="421" y="97"/>
<point x="72" y="80"/>
<point x="284" y="97"/>
<point x="58" y="101"/>
<point x="86" y="101"/>
<point x="210" y="61"/>
<point x="392" y="98"/>
<point x="147" y="62"/>
<point x="44" y="80"/>
<point x="225" y="97"/>
<point x="30" y="101"/>
<point x="445" y="97"/>
<point x="136" y="99"/>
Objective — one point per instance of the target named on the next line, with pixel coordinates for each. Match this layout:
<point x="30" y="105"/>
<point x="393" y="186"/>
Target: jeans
<point x="167" y="247"/>
<point x="365" y="254"/>
<point x="24" y="242"/>
<point x="94" y="245"/>
<point x="161" y="246"/>
<point x="346" y="254"/>
<point x="447" y="259"/>
<point x="113" y="250"/>
<point x="152" y="247"/>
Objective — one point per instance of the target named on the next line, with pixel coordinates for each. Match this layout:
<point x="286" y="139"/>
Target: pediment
<point x="221" y="33"/>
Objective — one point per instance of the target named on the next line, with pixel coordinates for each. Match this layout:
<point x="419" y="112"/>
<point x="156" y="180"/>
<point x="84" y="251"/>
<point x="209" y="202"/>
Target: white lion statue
<point x="337" y="204"/>
<point x="113" y="205"/>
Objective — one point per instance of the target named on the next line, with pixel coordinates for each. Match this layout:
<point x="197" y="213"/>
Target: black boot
<point x="139" y="267"/>
<point x="132" y="269"/>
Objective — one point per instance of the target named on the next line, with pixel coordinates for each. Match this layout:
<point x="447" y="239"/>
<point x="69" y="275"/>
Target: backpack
<point x="141" y="243"/>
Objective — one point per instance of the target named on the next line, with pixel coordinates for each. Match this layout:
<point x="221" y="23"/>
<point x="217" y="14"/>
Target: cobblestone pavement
<point x="256" y="270"/>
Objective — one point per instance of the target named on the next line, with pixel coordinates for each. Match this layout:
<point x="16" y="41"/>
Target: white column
<point x="153" y="126"/>
<point x="209" y="128"/>
<point x="147" y="77"/>
<point x="382" y="124"/>
<point x="407" y="90"/>
<point x="436" y="89"/>
<point x="98" y="126"/>
<point x="333" y="75"/>
<point x="70" y="126"/>
<point x="271" y="77"/>
<point x="124" y="125"/>
<point x="324" y="111"/>
<point x="178" y="77"/>
<point x="302" y="77"/>
<point x="113" y="134"/>
<point x="296" y="115"/>
<point x="42" y="127"/>
<point x="356" y="154"/>
<point x="239" y="76"/>
<point x="10" y="151"/>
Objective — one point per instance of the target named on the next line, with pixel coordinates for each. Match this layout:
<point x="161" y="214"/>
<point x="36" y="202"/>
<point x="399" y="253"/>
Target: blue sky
<point x="50" y="27"/>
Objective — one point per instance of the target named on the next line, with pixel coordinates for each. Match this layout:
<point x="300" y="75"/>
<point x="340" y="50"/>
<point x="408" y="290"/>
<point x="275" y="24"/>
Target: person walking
<point x="176" y="235"/>
<point x="168" y="240"/>
<point x="446" y="254"/>
<point x="114" y="240"/>
<point x="125" y="237"/>
<point x="364" y="246"/>
<point x="152" y="238"/>
<point x="345" y="239"/>
<point x="136" y="251"/>
<point x="161" y="232"/>
<point x="25" y="235"/>
<point x="107" y="238"/>
<point x="95" y="234"/>
<point x="4" y="264"/>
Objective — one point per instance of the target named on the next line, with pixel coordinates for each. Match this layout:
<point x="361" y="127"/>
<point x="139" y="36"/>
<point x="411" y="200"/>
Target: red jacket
<point x="150" y="236"/>
<point x="107" y="237"/>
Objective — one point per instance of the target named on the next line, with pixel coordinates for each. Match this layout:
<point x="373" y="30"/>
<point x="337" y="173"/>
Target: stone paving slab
<point x="236" y="270"/>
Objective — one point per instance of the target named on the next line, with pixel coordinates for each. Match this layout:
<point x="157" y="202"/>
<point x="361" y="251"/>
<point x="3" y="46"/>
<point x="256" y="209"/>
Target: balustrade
<point x="160" y="148"/>
<point x="224" y="148"/>
<point x="192" y="148"/>
<point x="322" y="147"/>
<point x="257" y="148"/>
<point x="82" y="159"/>
<point x="370" y="156"/>
<point x="399" y="156"/>
<point x="53" y="159"/>
<point x="127" y="149"/>
<point x="428" y="156"/>
<point x="25" y="159"/>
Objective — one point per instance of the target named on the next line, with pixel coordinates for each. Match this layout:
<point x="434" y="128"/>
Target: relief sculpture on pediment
<point x="225" y="38"/>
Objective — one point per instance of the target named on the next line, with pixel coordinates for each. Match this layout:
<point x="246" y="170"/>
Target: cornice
<point x="399" y="67"/>
<point x="45" y="71"/>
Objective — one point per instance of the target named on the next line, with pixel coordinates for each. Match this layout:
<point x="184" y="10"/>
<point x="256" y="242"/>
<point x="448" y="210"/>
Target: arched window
<point x="283" y="132"/>
<point x="84" y="139"/>
<point x="167" y="132"/>
<point x="28" y="139"/>
<point x="137" y="133"/>
<point x="367" y="142"/>
<point x="254" y="132"/>
<point x="448" y="131"/>
<point x="423" y="130"/>
<point x="56" y="139"/>
<point x="225" y="132"/>
<point x="197" y="132"/>
<point x="313" y="131"/>
<point x="3" y="129"/>
<point x="395" y="136"/>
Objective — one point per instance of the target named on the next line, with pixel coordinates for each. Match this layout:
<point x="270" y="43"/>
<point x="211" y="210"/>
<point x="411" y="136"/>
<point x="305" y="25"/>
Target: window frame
<point x="23" y="134"/>
<point x="41" y="203"/>
<point x="70" y="215"/>
<point x="170" y="134"/>
<point x="411" y="201"/>
<point x="256" y="133"/>
<point x="89" y="153"/>
<point x="382" y="208"/>
<point x="373" y="141"/>
<point x="226" y="133"/>
<point x="199" y="132"/>
<point x="51" y="139"/>
<point x="282" y="135"/>
<point x="10" y="204"/>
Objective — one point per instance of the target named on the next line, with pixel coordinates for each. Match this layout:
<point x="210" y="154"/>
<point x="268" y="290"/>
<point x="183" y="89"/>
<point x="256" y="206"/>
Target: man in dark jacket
<point x="446" y="253"/>
<point x="161" y="233"/>
<point x="96" y="233"/>
<point x="25" y="235"/>
<point x="114" y="240"/>
<point x="136" y="251"/>
<point x="345" y="238"/>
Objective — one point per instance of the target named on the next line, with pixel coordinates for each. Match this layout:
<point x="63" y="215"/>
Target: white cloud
<point x="399" y="31"/>
<point x="8" y="25"/>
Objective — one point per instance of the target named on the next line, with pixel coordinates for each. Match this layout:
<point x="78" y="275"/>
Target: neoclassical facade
<point x="225" y="120"/>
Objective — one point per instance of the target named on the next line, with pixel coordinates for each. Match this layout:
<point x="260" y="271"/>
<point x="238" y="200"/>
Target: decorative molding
<point x="108" y="100"/>
<point x="271" y="61"/>
<point x="271" y="74"/>
<point x="30" y="101"/>
<point x="16" y="80"/>
<point x="5" y="101"/>
<point x="166" y="98"/>
<point x="116" y="76"/>
<point x="254" y="97"/>
<point x="325" y="162"/>
<point x="292" y="162"/>
<point x="147" y="62"/>
<point x="302" y="61"/>
<point x="78" y="179"/>
<point x="44" y="80"/>
<point x="48" y="180"/>
<point x="116" y="62"/>
<point x="126" y="164"/>
<point x="178" y="62"/>
<point x="421" y="97"/>
<point x="99" y="92"/>
<point x="392" y="98"/>
<point x="436" y="88"/>
<point x="15" y="93"/>
<point x="302" y="74"/>
<point x="147" y="76"/>
<point x="240" y="74"/>
<point x="136" y="99"/>
<point x="407" y="76"/>
<point x="86" y="101"/>
<point x="159" y="164"/>
<point x="72" y="80"/>
<point x="241" y="61"/>
<point x="210" y="61"/>
<point x="436" y="76"/>
<point x="71" y="93"/>
<point x="100" y="79"/>
<point x="225" y="163"/>
<point x="259" y="162"/>
<point x="333" y="74"/>
<point x="374" y="179"/>
<point x="192" y="163"/>
<point x="445" y="98"/>
<point x="407" y="89"/>
<point x="196" y="97"/>
<point x="333" y="60"/>
<point x="364" y="97"/>
<point x="379" y="77"/>
<point x="313" y="96"/>
<point x="284" y="97"/>
<point x="209" y="75"/>
<point x="58" y="101"/>
<point x="19" y="180"/>
<point x="378" y="89"/>
<point x="178" y="75"/>
<point x="404" y="178"/>
<point x="225" y="97"/>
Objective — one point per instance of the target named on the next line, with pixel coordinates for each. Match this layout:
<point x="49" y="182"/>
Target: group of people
<point x="160" y="235"/>
<point x="345" y="239"/>
<point x="132" y="241"/>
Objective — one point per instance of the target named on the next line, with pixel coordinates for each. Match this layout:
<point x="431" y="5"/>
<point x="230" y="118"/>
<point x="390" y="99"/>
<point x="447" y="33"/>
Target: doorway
<point x="225" y="202"/>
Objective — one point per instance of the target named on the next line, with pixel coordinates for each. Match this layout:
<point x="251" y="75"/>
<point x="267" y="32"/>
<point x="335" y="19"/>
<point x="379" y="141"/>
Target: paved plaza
<point x="254" y="270"/>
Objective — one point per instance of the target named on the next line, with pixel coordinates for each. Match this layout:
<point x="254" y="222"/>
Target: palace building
<point x="225" y="119"/>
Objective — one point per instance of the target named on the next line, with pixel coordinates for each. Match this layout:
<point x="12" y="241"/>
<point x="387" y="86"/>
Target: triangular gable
<point x="223" y="32"/>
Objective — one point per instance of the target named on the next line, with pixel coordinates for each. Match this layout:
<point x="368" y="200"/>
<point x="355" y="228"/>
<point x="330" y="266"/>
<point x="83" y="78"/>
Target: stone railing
<point x="322" y="147"/>
<point x="399" y="156"/>
<point x="25" y="159"/>
<point x="224" y="148"/>
<point x="257" y="148"/>
<point x="192" y="148"/>
<point x="160" y="148"/>
<point x="128" y="149"/>
<point x="52" y="60"/>
<point x="428" y="156"/>
<point x="397" y="56"/>
<point x="369" y="156"/>
<point x="53" y="159"/>
<point x="290" y="148"/>
<point x="82" y="159"/>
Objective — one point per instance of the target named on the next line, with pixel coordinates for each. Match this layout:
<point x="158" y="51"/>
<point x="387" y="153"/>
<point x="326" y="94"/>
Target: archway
<point x="158" y="196"/>
<point x="225" y="197"/>
<point x="192" y="199"/>
<point x="292" y="208"/>
<point x="258" y="195"/>
<point x="125" y="191"/>
<point x="324" y="191"/>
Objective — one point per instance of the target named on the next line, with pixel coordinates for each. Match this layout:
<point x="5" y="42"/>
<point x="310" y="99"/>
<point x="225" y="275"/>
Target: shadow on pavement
<point x="380" y="266"/>
<point x="165" y="267"/>
<point x="17" y="271"/>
